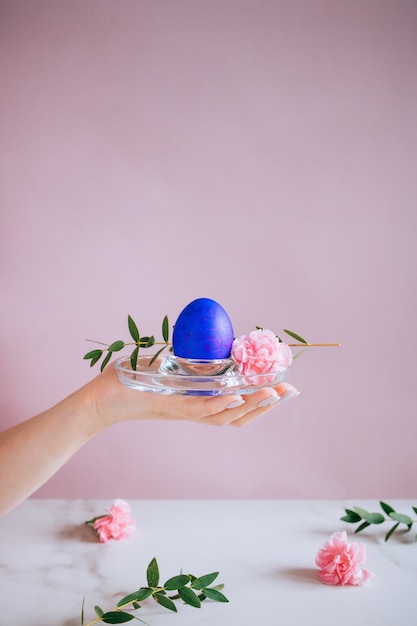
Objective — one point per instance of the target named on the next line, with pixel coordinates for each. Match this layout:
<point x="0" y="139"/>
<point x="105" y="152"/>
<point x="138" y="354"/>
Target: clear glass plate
<point x="173" y="375"/>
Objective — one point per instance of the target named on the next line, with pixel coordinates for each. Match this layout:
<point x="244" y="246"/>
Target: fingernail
<point x="291" y="393"/>
<point x="238" y="402"/>
<point x="269" y="401"/>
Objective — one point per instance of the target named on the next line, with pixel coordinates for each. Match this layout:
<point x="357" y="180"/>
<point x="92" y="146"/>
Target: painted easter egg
<point x="203" y="330"/>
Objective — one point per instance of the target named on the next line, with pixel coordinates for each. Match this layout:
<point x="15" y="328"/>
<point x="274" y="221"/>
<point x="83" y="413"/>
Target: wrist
<point x="98" y="400"/>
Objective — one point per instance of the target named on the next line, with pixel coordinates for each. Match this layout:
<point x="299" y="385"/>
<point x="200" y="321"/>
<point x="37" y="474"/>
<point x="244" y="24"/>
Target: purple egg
<point x="203" y="330"/>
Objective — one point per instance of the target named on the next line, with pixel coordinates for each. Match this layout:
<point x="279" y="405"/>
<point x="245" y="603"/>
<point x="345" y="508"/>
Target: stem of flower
<point x="313" y="345"/>
<point x="132" y="343"/>
<point x="155" y="343"/>
<point x="94" y="519"/>
<point x="166" y="343"/>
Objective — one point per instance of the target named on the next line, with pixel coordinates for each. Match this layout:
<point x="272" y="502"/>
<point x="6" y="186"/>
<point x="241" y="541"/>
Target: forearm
<point x="31" y="452"/>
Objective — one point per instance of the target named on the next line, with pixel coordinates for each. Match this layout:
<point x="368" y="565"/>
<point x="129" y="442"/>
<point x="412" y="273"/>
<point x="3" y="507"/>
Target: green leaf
<point x="295" y="356"/>
<point x="213" y="594"/>
<point x="164" y="601"/>
<point x="188" y="596"/>
<point x="128" y="600"/>
<point x="143" y="593"/>
<point x="134" y="597"/>
<point x="387" y="508"/>
<point x="176" y="581"/>
<point x="165" y="329"/>
<point x="133" y="329"/>
<point x="391" y="531"/>
<point x="375" y="518"/>
<point x="116" y="346"/>
<point x="371" y="518"/>
<point x="351" y="517"/>
<point x="295" y="336"/>
<point x="156" y="355"/>
<point x="93" y="354"/>
<point x="362" y="527"/>
<point x="105" y="360"/>
<point x="147" y="342"/>
<point x="134" y="358"/>
<point x="204" y="581"/>
<point x="152" y="573"/>
<point x="116" y="617"/>
<point x="403" y="519"/>
<point x="99" y="611"/>
<point x="94" y="361"/>
<point x="415" y="509"/>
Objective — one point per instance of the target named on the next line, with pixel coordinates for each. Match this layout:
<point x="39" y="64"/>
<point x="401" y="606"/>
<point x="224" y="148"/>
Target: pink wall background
<point x="262" y="153"/>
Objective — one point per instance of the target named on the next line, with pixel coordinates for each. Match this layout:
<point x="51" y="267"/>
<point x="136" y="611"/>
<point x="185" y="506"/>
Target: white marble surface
<point x="264" y="550"/>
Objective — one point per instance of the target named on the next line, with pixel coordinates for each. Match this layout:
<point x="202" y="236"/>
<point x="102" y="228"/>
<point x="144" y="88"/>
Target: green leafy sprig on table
<point x="357" y="514"/>
<point x="190" y="589"/>
<point x="138" y="342"/>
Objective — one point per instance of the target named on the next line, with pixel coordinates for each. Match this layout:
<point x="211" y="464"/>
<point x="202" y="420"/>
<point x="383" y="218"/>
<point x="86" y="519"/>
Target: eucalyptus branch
<point x="148" y="341"/>
<point x="139" y="342"/>
<point x="190" y="589"/>
<point x="357" y="514"/>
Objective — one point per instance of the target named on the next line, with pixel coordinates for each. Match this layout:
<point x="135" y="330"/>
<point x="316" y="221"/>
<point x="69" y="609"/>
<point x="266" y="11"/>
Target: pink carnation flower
<point x="118" y="524"/>
<point x="341" y="562"/>
<point x="261" y="352"/>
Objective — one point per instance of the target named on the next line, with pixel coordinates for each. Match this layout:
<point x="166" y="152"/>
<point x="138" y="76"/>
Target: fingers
<point x="245" y="409"/>
<point x="114" y="402"/>
<point x="286" y="391"/>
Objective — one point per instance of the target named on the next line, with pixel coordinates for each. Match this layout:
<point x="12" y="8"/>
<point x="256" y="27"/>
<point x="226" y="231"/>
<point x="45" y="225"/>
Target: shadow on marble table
<point x="298" y="574"/>
<point x="72" y="622"/>
<point x="77" y="532"/>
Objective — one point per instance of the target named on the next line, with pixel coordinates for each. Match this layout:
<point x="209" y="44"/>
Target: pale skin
<point x="34" y="450"/>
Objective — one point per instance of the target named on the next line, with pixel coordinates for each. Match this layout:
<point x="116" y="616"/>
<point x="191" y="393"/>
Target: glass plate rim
<point x="194" y="384"/>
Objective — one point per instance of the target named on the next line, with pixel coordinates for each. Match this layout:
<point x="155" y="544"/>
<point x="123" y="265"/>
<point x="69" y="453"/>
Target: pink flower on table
<point x="341" y="562"/>
<point x="261" y="352"/>
<point x="118" y="524"/>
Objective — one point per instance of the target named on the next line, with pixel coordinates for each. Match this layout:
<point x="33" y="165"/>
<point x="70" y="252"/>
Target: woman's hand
<point x="34" y="450"/>
<point x="112" y="402"/>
